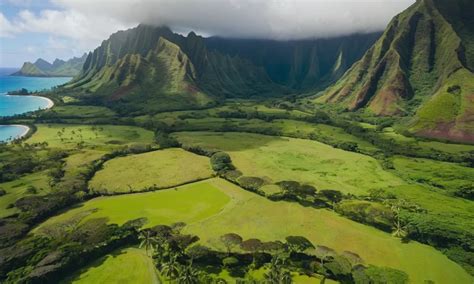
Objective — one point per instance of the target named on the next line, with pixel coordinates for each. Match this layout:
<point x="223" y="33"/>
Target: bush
<point x="230" y="262"/>
<point x="221" y="162"/>
<point x="367" y="212"/>
<point x="250" y="183"/>
<point x="2" y="192"/>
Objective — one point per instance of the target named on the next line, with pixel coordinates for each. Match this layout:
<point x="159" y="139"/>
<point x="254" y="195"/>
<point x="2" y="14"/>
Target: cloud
<point x="7" y="29"/>
<point x="280" y="19"/>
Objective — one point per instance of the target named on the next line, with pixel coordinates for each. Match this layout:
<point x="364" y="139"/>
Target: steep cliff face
<point x="421" y="67"/>
<point x="125" y="67"/>
<point x="59" y="68"/>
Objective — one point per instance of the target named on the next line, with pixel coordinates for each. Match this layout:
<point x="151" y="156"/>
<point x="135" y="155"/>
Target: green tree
<point x="171" y="268"/>
<point x="230" y="240"/>
<point x="188" y="275"/>
<point x="147" y="240"/>
<point x="298" y="243"/>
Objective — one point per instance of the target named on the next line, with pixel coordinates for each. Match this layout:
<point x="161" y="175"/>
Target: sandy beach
<point x="25" y="128"/>
<point x="50" y="102"/>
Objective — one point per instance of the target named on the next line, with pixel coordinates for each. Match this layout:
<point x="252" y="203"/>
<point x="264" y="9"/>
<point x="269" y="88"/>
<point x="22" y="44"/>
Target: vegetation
<point x="150" y="171"/>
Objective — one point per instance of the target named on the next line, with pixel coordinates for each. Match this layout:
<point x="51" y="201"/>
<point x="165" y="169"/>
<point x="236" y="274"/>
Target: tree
<point x="277" y="274"/>
<point x="230" y="240"/>
<point x="398" y="228"/>
<point x="171" y="268"/>
<point x="252" y="246"/>
<point x="188" y="275"/>
<point x="323" y="253"/>
<point x="333" y="196"/>
<point x="221" y="162"/>
<point x="298" y="243"/>
<point x="147" y="240"/>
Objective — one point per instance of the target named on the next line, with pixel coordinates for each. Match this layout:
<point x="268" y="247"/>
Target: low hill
<point x="59" y="68"/>
<point x="421" y="67"/>
<point x="148" y="69"/>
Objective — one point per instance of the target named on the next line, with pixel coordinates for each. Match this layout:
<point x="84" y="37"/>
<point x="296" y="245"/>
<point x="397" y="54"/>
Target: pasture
<point x="215" y="207"/>
<point x="130" y="265"/>
<point x="69" y="136"/>
<point x="158" y="169"/>
<point x="277" y="159"/>
<point x="22" y="187"/>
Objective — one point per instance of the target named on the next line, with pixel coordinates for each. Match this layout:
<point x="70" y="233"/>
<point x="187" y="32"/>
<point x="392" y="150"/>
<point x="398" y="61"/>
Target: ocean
<point x="11" y="105"/>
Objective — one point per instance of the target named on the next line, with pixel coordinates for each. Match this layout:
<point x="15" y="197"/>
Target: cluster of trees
<point x="180" y="259"/>
<point x="59" y="250"/>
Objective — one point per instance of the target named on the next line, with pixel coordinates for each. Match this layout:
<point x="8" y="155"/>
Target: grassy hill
<point x="421" y="67"/>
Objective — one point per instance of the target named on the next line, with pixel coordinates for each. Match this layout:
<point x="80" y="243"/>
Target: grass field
<point x="215" y="207"/>
<point x="68" y="136"/>
<point x="278" y="159"/>
<point x="189" y="203"/>
<point x="81" y="111"/>
<point x="18" y="188"/>
<point x="162" y="169"/>
<point x="125" y="266"/>
<point x="443" y="175"/>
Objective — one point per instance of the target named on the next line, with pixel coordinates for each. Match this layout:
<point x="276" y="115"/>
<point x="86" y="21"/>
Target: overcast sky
<point x="64" y="28"/>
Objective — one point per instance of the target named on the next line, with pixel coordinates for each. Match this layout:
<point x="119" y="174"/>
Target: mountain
<point x="59" y="68"/>
<point x="421" y="67"/>
<point x="149" y="69"/>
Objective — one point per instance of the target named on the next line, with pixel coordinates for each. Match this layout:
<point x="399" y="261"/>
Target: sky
<point x="51" y="29"/>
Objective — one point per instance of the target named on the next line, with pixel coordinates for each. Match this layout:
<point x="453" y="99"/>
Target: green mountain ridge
<point x="59" y="68"/>
<point x="421" y="67"/>
<point x="124" y="68"/>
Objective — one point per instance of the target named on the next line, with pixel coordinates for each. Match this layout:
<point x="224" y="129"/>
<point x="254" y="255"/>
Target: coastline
<point x="26" y="129"/>
<point x="48" y="100"/>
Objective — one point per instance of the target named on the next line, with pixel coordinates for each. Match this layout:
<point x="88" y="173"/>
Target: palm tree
<point x="285" y="277"/>
<point x="398" y="229"/>
<point x="277" y="274"/>
<point x="171" y="268"/>
<point x="188" y="275"/>
<point x="147" y="241"/>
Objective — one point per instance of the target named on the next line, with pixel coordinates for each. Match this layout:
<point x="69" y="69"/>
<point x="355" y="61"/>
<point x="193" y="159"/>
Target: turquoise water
<point x="11" y="105"/>
<point x="10" y="132"/>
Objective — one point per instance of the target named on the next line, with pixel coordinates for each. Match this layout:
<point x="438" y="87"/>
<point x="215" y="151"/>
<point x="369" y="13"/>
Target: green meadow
<point x="129" y="265"/>
<point x="69" y="136"/>
<point x="20" y="188"/>
<point x="277" y="159"/>
<point x="160" y="169"/>
<point x="215" y="207"/>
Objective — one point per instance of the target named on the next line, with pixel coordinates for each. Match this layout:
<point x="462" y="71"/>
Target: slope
<point x="59" y="68"/>
<point x="420" y="67"/>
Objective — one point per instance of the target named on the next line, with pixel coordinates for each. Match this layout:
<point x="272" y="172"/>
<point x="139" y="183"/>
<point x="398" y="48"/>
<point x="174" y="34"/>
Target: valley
<point x="176" y="158"/>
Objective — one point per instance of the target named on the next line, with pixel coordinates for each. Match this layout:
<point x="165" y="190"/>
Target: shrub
<point x="2" y="192"/>
<point x="367" y="212"/>
<point x="250" y="183"/>
<point x="221" y="162"/>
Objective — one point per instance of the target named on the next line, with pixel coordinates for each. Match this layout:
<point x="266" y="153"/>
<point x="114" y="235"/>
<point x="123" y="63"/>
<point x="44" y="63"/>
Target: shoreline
<point x="25" y="128"/>
<point x="48" y="100"/>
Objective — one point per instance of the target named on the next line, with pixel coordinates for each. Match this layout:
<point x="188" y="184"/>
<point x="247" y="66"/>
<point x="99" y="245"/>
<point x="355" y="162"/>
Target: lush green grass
<point x="216" y="207"/>
<point x="443" y="175"/>
<point x="18" y="188"/>
<point x="162" y="169"/>
<point x="278" y="159"/>
<point x="125" y="266"/>
<point x="189" y="203"/>
<point x="68" y="136"/>
<point x="80" y="111"/>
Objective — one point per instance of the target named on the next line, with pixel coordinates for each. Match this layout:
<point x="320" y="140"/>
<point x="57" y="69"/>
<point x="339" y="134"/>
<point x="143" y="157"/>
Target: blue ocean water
<point x="11" y="105"/>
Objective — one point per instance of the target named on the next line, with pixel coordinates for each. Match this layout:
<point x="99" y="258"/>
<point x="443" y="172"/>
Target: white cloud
<point x="7" y="29"/>
<point x="282" y="19"/>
